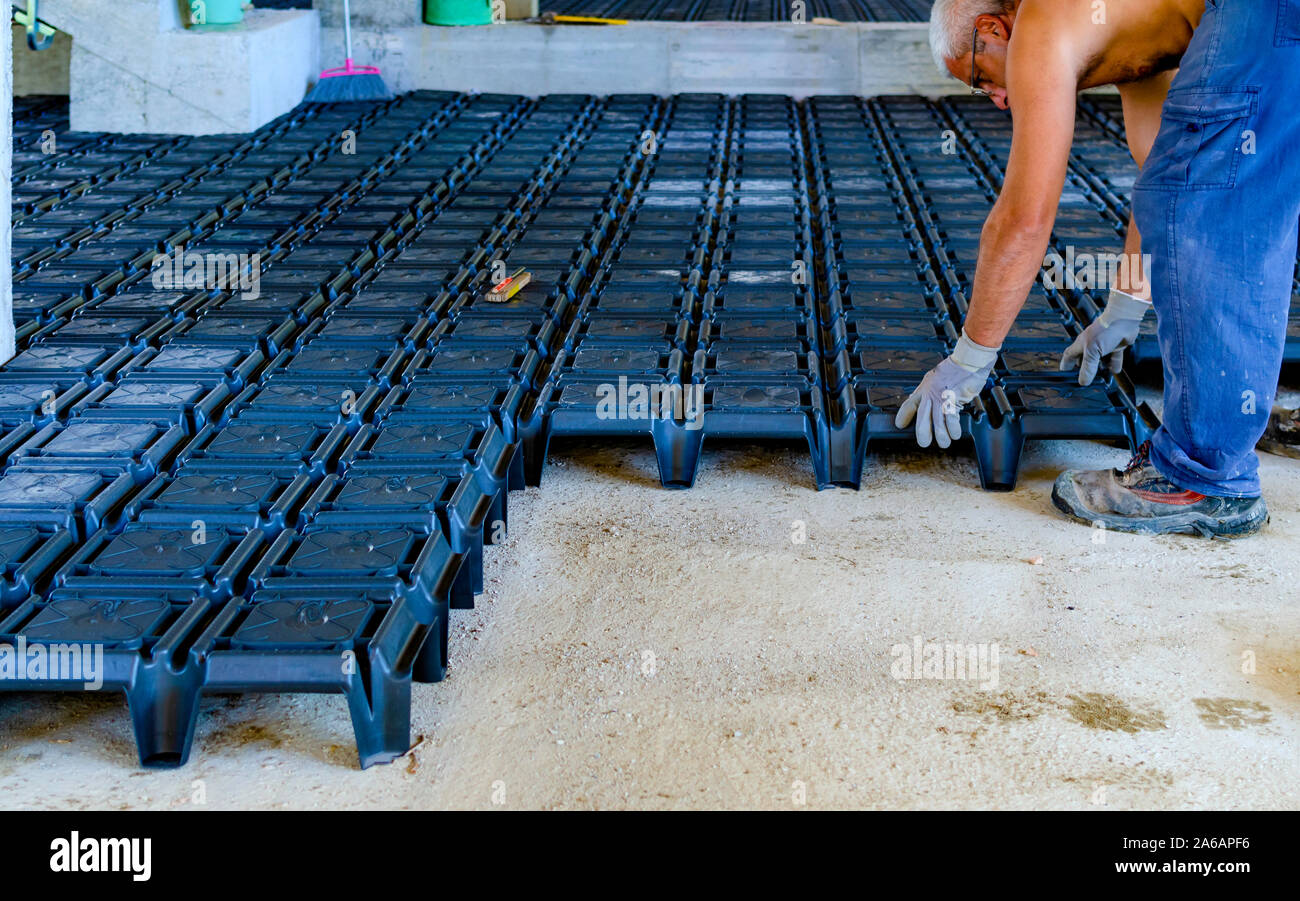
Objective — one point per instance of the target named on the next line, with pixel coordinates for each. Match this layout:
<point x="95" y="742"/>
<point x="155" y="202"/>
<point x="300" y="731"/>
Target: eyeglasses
<point x="974" y="38"/>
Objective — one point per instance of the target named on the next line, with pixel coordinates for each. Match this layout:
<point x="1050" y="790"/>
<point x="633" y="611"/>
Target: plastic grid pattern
<point x="288" y="492"/>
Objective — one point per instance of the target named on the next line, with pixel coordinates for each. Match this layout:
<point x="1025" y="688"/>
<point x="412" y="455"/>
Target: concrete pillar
<point x="135" y="67"/>
<point x="6" y="224"/>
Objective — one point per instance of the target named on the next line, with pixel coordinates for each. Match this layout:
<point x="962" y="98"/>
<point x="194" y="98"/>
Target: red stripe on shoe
<point x="1181" y="499"/>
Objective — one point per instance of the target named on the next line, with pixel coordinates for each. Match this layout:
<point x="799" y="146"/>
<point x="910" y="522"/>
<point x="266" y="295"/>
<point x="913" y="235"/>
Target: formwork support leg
<point x="535" y="443"/>
<point x="164" y="709"/>
<point x="847" y="451"/>
<point x="677" y="450"/>
<point x="498" y="521"/>
<point x="381" y="717"/>
<point x="998" y="450"/>
<point x="431" y="662"/>
<point x="819" y="449"/>
<point x="1141" y="425"/>
<point x="517" y="478"/>
<point x="469" y="578"/>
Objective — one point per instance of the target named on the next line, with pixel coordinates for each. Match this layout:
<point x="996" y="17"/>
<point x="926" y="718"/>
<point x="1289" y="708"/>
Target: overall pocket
<point x="1201" y="139"/>
<point x="1288" y="24"/>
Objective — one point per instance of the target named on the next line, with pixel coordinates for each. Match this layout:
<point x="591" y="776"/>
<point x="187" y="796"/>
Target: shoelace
<point x="1140" y="458"/>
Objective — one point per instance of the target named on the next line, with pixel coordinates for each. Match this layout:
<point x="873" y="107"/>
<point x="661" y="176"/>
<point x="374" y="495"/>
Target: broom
<point x="349" y="83"/>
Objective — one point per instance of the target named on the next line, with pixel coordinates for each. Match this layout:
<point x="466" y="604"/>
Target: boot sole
<point x="1191" y="523"/>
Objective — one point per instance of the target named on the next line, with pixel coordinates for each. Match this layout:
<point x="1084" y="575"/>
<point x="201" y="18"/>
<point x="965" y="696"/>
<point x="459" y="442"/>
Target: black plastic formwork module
<point x="757" y="359"/>
<point x="888" y="319"/>
<point x="294" y="462"/>
<point x="560" y="238"/>
<point x="49" y="159"/>
<point x="289" y="492"/>
<point x="70" y="249"/>
<point x="700" y="320"/>
<point x="951" y="185"/>
<point x="34" y="112"/>
<point x="205" y="522"/>
<point x="747" y="10"/>
<point x="637" y="301"/>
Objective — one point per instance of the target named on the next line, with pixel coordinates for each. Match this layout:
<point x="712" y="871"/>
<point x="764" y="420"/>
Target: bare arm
<point x="1042" y="83"/>
<point x="1131" y="279"/>
<point x="1142" y="102"/>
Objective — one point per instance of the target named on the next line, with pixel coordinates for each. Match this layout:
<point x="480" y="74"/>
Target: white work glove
<point x="1106" y="336"/>
<point x="937" y="401"/>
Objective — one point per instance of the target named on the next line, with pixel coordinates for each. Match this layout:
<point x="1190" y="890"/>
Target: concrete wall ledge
<point x="653" y="57"/>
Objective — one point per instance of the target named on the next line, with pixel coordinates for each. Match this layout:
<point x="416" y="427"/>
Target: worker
<point x="1207" y="88"/>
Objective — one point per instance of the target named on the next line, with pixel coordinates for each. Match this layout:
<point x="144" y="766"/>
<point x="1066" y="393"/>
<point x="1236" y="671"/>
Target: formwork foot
<point x="846" y="453"/>
<point x="469" y="578"/>
<point x="381" y="717"/>
<point x="164" y="709"/>
<point x="819" y="450"/>
<point x="998" y="451"/>
<point x="517" y="478"/>
<point x="536" y="442"/>
<point x="677" y="450"/>
<point x="498" y="519"/>
<point x="1142" y="426"/>
<point x="431" y="663"/>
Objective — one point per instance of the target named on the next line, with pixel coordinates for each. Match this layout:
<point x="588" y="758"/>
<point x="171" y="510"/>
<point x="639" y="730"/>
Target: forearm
<point x="1120" y="320"/>
<point x="1010" y="258"/>
<point x="1133" y="276"/>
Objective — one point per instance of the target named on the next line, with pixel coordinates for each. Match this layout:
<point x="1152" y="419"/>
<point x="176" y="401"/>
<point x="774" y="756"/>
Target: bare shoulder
<point x="1055" y="35"/>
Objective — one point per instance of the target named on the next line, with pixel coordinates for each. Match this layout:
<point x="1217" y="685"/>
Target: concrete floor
<point x="640" y="647"/>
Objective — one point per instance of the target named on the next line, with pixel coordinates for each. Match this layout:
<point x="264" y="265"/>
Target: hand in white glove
<point x="937" y="401"/>
<point x="1106" y="336"/>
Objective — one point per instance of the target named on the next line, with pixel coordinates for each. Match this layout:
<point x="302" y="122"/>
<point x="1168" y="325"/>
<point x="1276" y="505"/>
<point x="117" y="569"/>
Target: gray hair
<point x="952" y="23"/>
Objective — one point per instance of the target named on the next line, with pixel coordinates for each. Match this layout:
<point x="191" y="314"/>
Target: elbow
<point x="1021" y="227"/>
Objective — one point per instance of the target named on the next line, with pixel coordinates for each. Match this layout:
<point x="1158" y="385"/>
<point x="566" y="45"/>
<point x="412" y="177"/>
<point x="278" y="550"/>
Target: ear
<point x="991" y="26"/>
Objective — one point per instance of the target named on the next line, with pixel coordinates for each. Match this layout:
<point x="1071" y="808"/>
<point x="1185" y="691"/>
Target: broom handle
<point x="347" y="29"/>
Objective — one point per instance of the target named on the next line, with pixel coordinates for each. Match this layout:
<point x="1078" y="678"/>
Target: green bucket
<point x="457" y="12"/>
<point x="216" y="12"/>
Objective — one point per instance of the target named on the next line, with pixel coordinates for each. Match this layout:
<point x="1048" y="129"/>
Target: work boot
<point x="1138" y="498"/>
<point x="1283" y="433"/>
